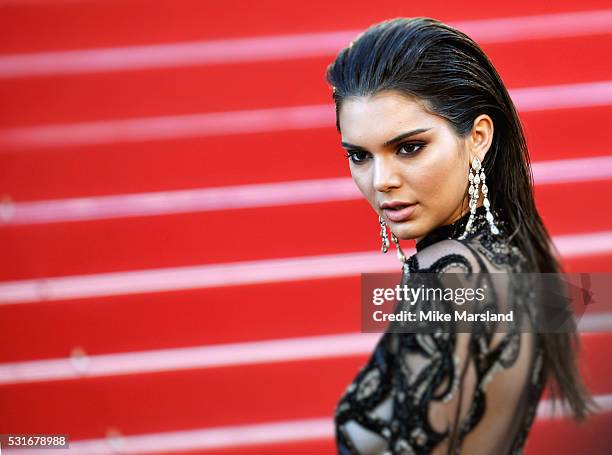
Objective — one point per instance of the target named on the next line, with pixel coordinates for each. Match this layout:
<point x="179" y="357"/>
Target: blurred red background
<point x="181" y="240"/>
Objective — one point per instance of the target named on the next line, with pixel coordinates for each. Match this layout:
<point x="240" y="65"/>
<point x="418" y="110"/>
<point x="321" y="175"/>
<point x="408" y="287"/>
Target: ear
<point x="481" y="137"/>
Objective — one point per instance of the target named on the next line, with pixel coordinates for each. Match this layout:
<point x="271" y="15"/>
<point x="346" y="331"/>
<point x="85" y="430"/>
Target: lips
<point x="397" y="211"/>
<point x="394" y="204"/>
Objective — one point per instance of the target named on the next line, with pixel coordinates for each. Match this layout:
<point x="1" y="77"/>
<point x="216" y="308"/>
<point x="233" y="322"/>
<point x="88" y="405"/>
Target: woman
<point x="435" y="145"/>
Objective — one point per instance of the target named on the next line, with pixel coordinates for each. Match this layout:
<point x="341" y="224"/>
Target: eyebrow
<point x="390" y="141"/>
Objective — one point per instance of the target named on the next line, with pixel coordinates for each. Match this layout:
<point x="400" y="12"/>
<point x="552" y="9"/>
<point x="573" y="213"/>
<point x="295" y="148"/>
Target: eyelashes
<point x="351" y="155"/>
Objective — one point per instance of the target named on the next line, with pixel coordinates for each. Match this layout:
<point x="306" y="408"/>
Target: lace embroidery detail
<point x="413" y="370"/>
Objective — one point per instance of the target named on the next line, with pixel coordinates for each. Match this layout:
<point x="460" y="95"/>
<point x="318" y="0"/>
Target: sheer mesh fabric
<point x="450" y="392"/>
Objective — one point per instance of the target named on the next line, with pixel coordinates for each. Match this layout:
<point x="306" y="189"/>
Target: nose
<point x="386" y="175"/>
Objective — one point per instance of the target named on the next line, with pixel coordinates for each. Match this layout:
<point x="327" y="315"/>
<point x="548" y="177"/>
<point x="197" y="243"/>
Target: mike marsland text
<point x="440" y="316"/>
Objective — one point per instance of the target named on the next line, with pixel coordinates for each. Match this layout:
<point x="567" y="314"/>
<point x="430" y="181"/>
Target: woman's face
<point x="428" y="169"/>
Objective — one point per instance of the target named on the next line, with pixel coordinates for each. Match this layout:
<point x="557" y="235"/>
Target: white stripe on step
<point x="215" y="356"/>
<point x="235" y="50"/>
<point x="243" y="272"/>
<point x="250" y="196"/>
<point x="234" y="354"/>
<point x="260" y="120"/>
<point x="290" y="431"/>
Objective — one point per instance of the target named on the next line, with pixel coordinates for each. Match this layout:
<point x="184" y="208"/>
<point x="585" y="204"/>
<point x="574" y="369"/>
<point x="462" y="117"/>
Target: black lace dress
<point x="404" y="399"/>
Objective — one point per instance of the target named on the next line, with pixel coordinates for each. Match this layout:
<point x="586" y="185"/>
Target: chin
<point x="406" y="230"/>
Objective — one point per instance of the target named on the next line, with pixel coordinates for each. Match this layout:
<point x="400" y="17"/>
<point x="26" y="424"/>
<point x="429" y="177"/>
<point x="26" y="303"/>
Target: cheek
<point x="426" y="181"/>
<point x="439" y="182"/>
<point x="363" y="182"/>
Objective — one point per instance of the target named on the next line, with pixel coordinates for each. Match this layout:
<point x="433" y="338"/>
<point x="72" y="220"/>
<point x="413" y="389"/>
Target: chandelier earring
<point x="476" y="176"/>
<point x="385" y="240"/>
<point x="383" y="235"/>
<point x="400" y="253"/>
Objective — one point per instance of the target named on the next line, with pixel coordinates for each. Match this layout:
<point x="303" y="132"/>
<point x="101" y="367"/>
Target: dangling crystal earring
<point x="383" y="235"/>
<point x="400" y="253"/>
<point x="475" y="180"/>
<point x="385" y="240"/>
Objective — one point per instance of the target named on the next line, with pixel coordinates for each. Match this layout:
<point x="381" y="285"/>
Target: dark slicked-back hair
<point x="449" y="74"/>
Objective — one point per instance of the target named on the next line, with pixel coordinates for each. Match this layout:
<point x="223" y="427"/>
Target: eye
<point x="352" y="155"/>
<point x="359" y="156"/>
<point x="408" y="146"/>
